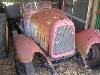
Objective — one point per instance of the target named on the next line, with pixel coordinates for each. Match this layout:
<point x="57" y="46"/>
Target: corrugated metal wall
<point x="78" y="13"/>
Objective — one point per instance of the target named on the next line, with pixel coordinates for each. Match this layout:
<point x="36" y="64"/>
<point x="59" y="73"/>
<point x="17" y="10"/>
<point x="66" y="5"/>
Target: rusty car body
<point x="50" y="33"/>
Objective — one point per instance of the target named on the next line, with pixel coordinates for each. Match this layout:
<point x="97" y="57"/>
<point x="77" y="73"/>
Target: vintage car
<point x="49" y="33"/>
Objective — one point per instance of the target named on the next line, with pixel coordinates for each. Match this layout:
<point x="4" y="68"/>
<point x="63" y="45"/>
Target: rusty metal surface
<point x="41" y="27"/>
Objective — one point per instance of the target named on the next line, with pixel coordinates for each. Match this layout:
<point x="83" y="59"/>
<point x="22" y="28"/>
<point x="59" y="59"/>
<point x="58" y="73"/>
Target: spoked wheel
<point x="93" y="57"/>
<point x="24" y="68"/>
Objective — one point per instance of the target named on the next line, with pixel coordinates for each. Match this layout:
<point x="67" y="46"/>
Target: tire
<point x="93" y="57"/>
<point x="3" y="36"/>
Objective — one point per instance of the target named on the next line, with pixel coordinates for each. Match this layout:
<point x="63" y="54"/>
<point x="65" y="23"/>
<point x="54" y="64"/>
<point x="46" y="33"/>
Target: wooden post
<point x="93" y="15"/>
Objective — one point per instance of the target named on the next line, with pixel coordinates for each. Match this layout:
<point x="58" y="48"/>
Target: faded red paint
<point x="25" y="48"/>
<point x="85" y="39"/>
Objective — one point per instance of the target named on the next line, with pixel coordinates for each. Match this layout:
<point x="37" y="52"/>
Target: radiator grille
<point x="65" y="39"/>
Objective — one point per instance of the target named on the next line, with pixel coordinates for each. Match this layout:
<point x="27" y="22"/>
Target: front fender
<point x="25" y="48"/>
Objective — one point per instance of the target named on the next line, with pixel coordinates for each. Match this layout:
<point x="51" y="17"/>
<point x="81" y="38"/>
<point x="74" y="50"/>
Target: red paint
<point x="85" y="39"/>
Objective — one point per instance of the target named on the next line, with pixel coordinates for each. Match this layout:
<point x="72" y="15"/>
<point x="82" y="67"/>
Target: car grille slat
<point x="60" y="38"/>
<point x="61" y="41"/>
<point x="66" y="37"/>
<point x="64" y="40"/>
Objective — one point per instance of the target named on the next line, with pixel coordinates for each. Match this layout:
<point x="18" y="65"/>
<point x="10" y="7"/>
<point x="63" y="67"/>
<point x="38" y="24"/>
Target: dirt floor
<point x="7" y="67"/>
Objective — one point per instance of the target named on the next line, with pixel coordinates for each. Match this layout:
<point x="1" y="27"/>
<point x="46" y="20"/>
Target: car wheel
<point x="93" y="57"/>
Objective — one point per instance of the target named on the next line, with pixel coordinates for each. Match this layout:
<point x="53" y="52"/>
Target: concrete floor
<point x="67" y="68"/>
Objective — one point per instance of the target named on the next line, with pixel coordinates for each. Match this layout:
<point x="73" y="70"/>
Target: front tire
<point x="93" y="57"/>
